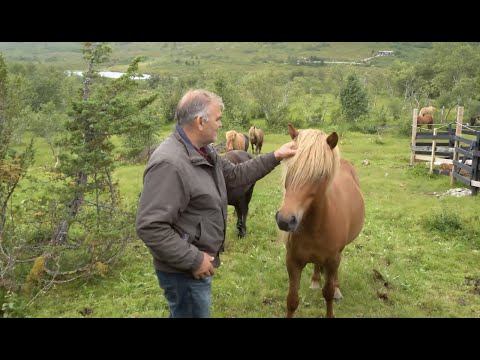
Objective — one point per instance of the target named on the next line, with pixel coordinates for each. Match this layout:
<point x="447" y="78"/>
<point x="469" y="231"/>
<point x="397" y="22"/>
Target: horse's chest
<point x="313" y="249"/>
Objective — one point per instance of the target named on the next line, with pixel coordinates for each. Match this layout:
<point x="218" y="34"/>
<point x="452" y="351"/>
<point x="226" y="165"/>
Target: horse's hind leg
<point x="316" y="276"/>
<point x="294" y="270"/>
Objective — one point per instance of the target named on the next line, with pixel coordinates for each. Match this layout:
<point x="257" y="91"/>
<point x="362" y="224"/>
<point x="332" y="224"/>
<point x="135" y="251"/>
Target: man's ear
<point x="199" y="122"/>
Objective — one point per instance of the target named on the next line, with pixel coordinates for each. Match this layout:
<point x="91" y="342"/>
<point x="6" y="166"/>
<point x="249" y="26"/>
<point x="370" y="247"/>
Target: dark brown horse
<point x="426" y="119"/>
<point x="322" y="211"/>
<point x="256" y="138"/>
<point x="240" y="197"/>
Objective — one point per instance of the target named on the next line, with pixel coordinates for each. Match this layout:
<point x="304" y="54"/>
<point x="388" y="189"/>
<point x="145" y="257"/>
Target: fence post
<point x="458" y="132"/>
<point x="451" y="142"/>
<point x="434" y="145"/>
<point x="414" y="136"/>
<point x="475" y="174"/>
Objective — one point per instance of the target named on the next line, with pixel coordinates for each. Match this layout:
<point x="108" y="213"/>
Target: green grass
<point x="424" y="267"/>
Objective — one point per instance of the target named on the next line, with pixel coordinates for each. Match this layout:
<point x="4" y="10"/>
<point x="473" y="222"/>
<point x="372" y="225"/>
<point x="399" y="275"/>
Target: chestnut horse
<point x="236" y="141"/>
<point x="426" y="119"/>
<point x="427" y="110"/>
<point x="240" y="196"/>
<point x="322" y="211"/>
<point x="256" y="138"/>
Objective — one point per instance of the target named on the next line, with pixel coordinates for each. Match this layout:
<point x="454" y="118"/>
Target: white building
<point x="385" y="53"/>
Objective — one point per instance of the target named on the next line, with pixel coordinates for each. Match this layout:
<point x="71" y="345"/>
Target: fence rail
<point x="461" y="154"/>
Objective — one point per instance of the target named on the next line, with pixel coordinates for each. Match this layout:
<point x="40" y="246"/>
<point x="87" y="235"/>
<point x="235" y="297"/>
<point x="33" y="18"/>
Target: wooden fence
<point x="459" y="153"/>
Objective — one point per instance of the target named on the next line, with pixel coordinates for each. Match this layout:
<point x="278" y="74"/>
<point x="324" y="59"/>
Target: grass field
<point x="417" y="255"/>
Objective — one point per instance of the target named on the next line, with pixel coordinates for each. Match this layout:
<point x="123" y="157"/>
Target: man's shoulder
<point x="170" y="150"/>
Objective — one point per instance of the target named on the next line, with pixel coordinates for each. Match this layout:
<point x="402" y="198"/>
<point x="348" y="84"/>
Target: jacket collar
<point x="193" y="153"/>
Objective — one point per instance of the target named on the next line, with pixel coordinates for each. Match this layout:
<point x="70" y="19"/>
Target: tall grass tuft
<point x="445" y="221"/>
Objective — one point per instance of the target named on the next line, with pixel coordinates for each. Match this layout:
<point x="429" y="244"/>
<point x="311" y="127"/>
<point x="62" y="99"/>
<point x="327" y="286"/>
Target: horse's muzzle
<point x="290" y="224"/>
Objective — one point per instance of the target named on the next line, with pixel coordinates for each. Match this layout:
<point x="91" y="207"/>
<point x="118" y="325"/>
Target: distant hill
<point x="178" y="57"/>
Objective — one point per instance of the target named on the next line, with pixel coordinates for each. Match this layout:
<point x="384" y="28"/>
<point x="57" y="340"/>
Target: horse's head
<point x="306" y="174"/>
<point x="230" y="136"/>
<point x="251" y="133"/>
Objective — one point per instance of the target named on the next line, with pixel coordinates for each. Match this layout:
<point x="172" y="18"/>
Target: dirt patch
<point x="474" y="282"/>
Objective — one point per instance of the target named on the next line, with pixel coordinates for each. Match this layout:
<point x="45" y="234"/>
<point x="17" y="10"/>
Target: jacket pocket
<point x="198" y="233"/>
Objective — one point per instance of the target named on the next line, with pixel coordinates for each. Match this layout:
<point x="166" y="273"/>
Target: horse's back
<point x="238" y="156"/>
<point x="427" y="110"/>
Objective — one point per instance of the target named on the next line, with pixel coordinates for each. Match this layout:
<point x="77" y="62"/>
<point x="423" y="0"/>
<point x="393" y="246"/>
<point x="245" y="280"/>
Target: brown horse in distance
<point x="256" y="138"/>
<point x="427" y="110"/>
<point x="322" y="211"/>
<point x="236" y="141"/>
<point x="426" y="119"/>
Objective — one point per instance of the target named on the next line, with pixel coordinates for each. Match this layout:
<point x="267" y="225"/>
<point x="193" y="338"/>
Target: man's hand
<point x="285" y="151"/>
<point x="206" y="269"/>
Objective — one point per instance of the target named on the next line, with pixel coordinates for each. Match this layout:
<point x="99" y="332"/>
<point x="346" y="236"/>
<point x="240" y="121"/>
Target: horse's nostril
<point x="293" y="220"/>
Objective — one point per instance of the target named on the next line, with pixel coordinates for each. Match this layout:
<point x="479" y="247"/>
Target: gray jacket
<point x="183" y="205"/>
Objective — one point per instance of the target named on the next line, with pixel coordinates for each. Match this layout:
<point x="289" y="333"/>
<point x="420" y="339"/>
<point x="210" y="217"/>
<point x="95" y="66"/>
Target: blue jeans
<point x="187" y="297"/>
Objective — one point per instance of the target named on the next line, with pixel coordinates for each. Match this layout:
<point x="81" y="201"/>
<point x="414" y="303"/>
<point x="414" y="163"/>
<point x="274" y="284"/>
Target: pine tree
<point x="353" y="99"/>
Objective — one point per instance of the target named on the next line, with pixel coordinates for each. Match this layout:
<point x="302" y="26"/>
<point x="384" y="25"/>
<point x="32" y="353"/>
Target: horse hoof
<point x="338" y="295"/>
<point x="315" y="285"/>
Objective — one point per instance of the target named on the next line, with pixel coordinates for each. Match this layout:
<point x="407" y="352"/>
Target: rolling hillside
<point x="176" y="56"/>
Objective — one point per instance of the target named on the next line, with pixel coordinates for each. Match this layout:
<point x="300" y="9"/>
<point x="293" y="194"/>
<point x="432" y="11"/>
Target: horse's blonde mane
<point x="236" y="139"/>
<point x="230" y="135"/>
<point x="313" y="161"/>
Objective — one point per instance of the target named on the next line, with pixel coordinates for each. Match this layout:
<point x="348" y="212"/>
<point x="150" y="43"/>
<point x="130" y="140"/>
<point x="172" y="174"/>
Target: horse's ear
<point x="292" y="131"/>
<point x="332" y="140"/>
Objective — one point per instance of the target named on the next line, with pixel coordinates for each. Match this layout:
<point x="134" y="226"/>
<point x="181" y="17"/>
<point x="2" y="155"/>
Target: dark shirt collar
<point x="202" y="151"/>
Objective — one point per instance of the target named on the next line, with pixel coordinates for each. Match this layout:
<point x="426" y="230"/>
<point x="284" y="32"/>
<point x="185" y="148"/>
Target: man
<point x="182" y="214"/>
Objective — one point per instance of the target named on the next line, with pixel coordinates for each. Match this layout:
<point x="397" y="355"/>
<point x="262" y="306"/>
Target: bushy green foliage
<point x="11" y="305"/>
<point x="138" y="145"/>
<point x="353" y="99"/>
<point x="372" y="123"/>
<point x="418" y="170"/>
<point x="226" y="86"/>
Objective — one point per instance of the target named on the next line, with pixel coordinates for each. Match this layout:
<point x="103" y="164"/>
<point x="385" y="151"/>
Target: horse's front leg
<point x="294" y="269"/>
<point x="240" y="224"/>
<point x="331" y="290"/>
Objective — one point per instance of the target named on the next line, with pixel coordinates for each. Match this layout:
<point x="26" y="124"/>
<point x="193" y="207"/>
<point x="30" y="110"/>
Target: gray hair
<point x="195" y="103"/>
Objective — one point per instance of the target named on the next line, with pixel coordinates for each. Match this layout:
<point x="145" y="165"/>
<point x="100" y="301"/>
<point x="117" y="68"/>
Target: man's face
<point x="211" y="127"/>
